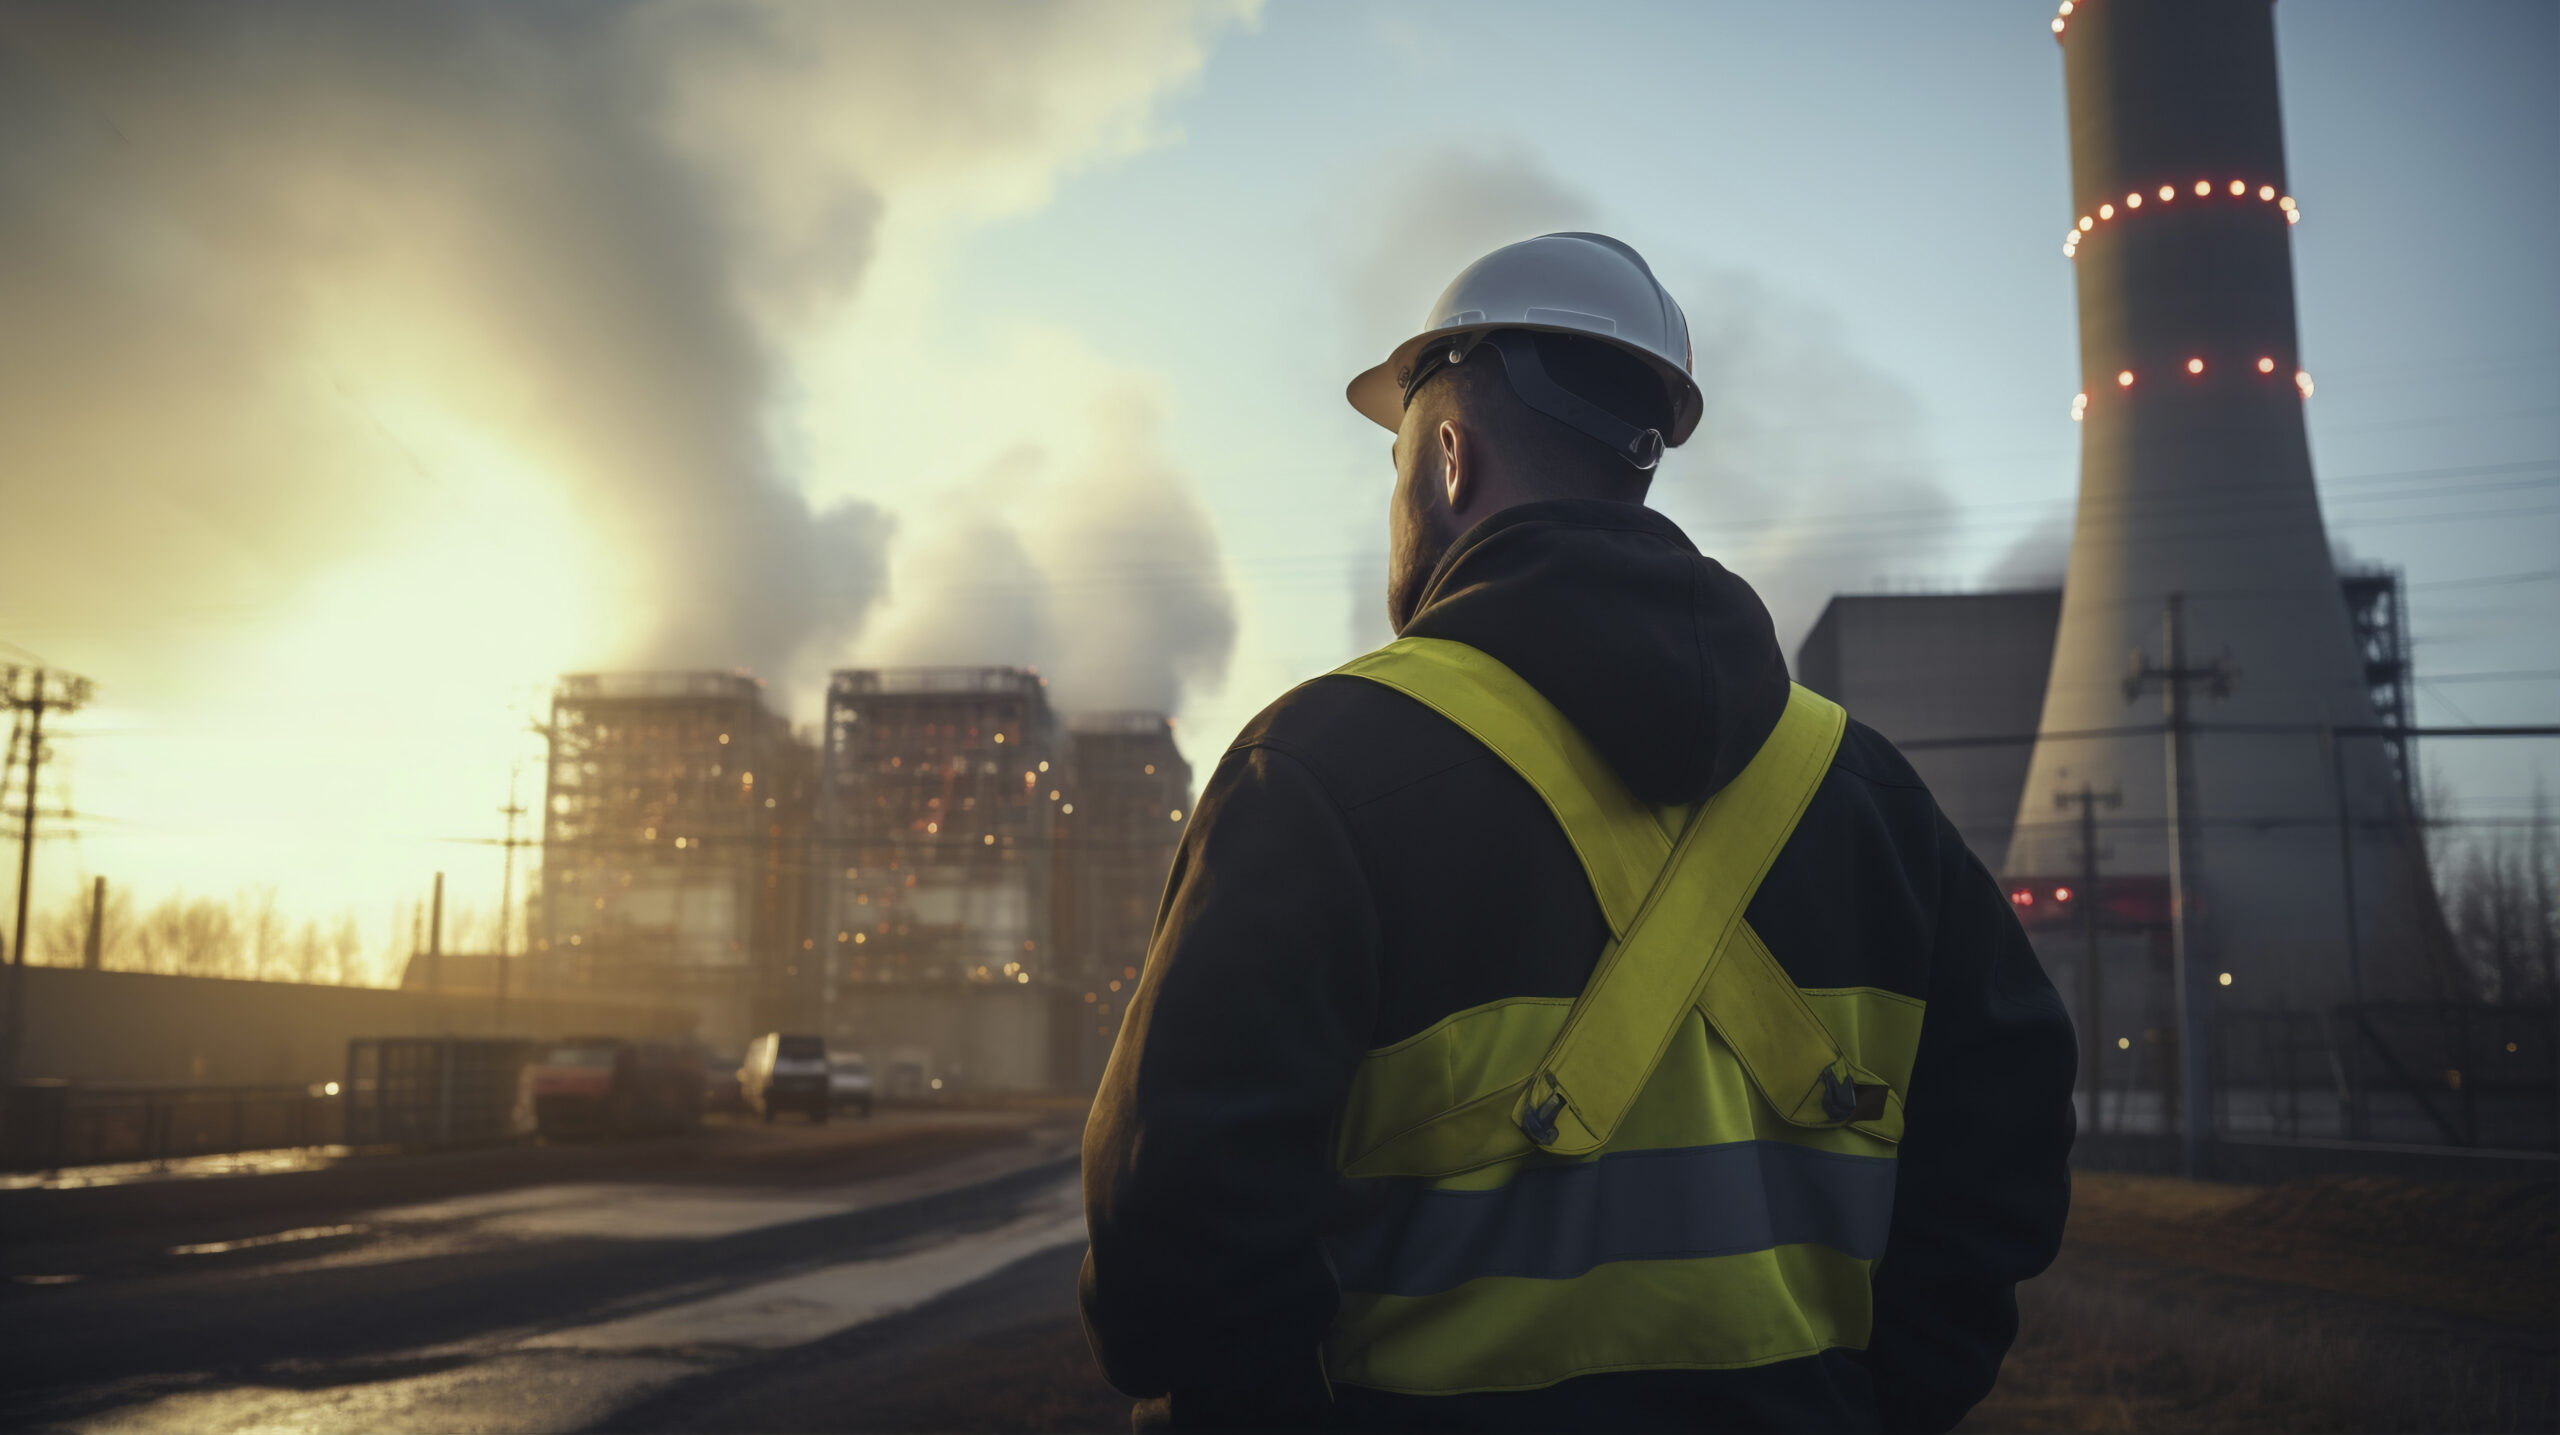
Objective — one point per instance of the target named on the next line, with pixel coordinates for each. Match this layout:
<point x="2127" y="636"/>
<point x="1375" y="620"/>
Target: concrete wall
<point x="140" y="1028"/>
<point x="1937" y="665"/>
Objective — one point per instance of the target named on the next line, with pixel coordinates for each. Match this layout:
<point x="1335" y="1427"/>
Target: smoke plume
<point x="1100" y="567"/>
<point x="278" y="272"/>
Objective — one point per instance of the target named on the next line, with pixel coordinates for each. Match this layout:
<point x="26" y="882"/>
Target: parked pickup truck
<point x="786" y="1073"/>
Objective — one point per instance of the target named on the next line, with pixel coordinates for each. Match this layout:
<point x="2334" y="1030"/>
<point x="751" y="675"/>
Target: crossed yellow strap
<point x="1673" y="886"/>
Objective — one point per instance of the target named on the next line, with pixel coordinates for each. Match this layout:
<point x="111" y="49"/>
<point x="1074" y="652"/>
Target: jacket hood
<point x="1667" y="662"/>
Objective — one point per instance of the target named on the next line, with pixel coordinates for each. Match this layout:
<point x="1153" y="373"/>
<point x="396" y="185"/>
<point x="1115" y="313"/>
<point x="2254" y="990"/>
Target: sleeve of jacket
<point x="1983" y="1181"/>
<point x="1208" y="1166"/>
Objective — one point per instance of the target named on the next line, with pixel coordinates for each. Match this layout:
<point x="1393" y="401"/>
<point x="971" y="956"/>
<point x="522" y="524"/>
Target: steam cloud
<point x="254" y="250"/>
<point x="1110" y="577"/>
<point x="1807" y="474"/>
<point x="194" y="196"/>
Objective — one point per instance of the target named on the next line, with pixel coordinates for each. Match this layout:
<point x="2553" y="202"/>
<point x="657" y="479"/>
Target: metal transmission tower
<point x="2195" y="479"/>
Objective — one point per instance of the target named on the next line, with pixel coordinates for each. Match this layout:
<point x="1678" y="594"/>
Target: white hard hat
<point x="1583" y="284"/>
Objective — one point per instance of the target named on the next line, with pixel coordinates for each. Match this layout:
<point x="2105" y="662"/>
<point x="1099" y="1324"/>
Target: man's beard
<point x="1417" y="540"/>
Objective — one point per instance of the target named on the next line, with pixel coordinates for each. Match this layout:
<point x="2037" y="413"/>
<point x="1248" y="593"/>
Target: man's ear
<point x="1457" y="469"/>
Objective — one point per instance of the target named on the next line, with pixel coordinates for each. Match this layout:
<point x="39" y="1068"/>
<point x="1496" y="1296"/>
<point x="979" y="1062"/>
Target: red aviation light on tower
<point x="2266" y="366"/>
<point x="2195" y="366"/>
<point x="2163" y="194"/>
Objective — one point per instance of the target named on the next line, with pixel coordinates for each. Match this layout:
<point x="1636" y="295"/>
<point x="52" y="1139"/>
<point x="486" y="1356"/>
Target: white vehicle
<point x="786" y="1073"/>
<point x="849" y="1083"/>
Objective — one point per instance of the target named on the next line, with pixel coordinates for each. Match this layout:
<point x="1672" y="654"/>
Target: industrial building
<point x="955" y="880"/>
<point x="675" y="831"/>
<point x="937" y="823"/>
<point x="1131" y="787"/>
<point x="1957" y="681"/>
<point x="988" y="873"/>
<point x="2191" y="765"/>
<point x="1952" y="668"/>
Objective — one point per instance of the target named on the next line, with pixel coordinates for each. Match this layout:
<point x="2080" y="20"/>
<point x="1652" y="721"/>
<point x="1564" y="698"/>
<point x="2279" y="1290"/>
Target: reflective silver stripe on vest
<point x="1556" y="1222"/>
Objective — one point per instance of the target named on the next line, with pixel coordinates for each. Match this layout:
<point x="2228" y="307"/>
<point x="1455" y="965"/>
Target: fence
<point x="53" y="1124"/>
<point x="433" y="1091"/>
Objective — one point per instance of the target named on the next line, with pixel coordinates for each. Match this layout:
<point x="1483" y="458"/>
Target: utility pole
<point x="93" y="954"/>
<point x="2195" y="1113"/>
<point x="2093" y="1043"/>
<point x="36" y="691"/>
<point x="507" y="899"/>
<point x="435" y="939"/>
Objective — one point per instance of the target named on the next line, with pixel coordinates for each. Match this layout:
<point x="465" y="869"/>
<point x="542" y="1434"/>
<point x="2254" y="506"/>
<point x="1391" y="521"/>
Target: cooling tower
<point x="2196" y="490"/>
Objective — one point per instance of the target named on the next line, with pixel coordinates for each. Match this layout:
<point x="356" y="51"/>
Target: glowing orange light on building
<point x="2302" y="381"/>
<point x="2057" y="26"/>
<point x="2239" y="187"/>
<point x="2062" y="894"/>
<point x="2125" y="380"/>
<point x="2087" y="224"/>
<point x="2133" y="201"/>
<point x="2266" y="191"/>
<point x="2023" y="898"/>
<point x="2203" y="188"/>
<point x="2066" y="7"/>
<point x="2167" y="193"/>
<point x="2293" y="216"/>
<point x="2195" y="366"/>
<point x="2285" y="203"/>
<point x="2106" y="211"/>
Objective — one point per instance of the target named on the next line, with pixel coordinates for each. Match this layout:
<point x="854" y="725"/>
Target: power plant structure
<point x="2190" y="767"/>
<point x="2201" y="600"/>
<point x="953" y="879"/>
<point x="675" y="820"/>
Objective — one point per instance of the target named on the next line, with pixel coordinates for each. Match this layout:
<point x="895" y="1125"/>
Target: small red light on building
<point x="2062" y="894"/>
<point x="2023" y="898"/>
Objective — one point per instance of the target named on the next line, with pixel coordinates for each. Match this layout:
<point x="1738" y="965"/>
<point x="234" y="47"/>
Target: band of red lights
<point x="2167" y="194"/>
<point x="2195" y="367"/>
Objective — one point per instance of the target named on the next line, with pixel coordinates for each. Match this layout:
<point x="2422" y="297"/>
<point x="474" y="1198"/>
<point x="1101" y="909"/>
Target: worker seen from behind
<point x="1556" y="1020"/>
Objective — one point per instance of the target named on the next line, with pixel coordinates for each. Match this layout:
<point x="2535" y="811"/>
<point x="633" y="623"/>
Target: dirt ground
<point x="2342" y="1303"/>
<point x="2327" y="1305"/>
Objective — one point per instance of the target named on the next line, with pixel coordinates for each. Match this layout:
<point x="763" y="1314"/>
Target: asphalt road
<point x="913" y="1272"/>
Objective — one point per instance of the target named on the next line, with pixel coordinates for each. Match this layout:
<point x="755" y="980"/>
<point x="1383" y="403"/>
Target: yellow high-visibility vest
<point x="1689" y="1166"/>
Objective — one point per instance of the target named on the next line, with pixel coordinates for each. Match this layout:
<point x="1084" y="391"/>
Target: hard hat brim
<point x="1377" y="393"/>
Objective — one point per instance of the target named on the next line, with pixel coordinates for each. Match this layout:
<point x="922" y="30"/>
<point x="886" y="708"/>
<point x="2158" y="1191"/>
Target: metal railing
<point x="53" y="1124"/>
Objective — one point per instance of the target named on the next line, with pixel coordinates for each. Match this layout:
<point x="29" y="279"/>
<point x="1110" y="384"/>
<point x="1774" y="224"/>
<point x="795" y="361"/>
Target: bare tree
<point x="2502" y="898"/>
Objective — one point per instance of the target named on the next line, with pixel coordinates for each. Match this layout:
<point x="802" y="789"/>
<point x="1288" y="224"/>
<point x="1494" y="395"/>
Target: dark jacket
<point x="1359" y="868"/>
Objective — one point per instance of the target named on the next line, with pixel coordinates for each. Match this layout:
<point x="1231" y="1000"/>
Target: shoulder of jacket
<point x="1360" y="740"/>
<point x="1869" y="756"/>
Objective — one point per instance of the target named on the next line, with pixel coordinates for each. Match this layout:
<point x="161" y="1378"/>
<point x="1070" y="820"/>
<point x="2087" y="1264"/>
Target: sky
<point x="362" y="369"/>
